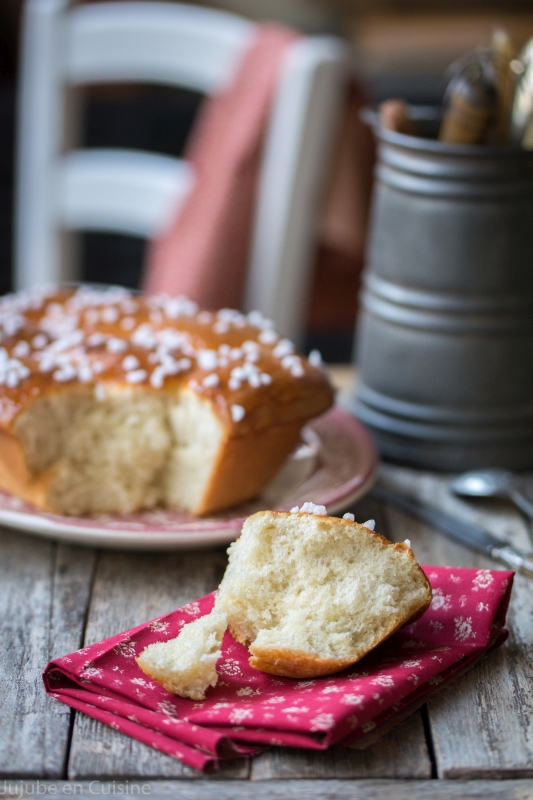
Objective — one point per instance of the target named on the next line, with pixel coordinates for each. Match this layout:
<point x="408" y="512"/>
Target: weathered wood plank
<point x="498" y="516"/>
<point x="73" y="570"/>
<point x="99" y="752"/>
<point x="483" y="725"/>
<point x="26" y="579"/>
<point x="129" y="589"/>
<point x="43" y="599"/>
<point x="284" y="790"/>
<point x="400" y="754"/>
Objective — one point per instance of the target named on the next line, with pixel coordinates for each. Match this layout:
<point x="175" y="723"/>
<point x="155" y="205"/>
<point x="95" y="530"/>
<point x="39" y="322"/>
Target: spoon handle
<point x="523" y="504"/>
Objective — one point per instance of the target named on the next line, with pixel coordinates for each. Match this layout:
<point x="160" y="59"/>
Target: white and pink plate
<point x="335" y="465"/>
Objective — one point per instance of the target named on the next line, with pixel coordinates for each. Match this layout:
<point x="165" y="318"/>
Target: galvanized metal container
<point x="445" y="333"/>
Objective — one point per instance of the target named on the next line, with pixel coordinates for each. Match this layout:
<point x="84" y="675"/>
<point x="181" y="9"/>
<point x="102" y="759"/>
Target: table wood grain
<point x="473" y="740"/>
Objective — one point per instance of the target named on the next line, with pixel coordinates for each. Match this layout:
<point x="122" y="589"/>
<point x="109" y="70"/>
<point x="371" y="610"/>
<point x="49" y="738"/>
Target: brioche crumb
<point x="122" y="451"/>
<point x="187" y="665"/>
<point x="309" y="594"/>
<point x="317" y="590"/>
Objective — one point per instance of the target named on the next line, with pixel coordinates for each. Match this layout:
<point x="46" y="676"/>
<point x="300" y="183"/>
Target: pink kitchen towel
<point x="248" y="709"/>
<point x="203" y="254"/>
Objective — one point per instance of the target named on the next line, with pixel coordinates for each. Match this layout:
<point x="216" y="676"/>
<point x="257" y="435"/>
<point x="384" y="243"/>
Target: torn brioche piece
<point x="187" y="665"/>
<point x="308" y="594"/>
<point x="311" y="594"/>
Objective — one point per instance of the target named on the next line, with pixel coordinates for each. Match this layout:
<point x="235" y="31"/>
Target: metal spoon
<point x="492" y="483"/>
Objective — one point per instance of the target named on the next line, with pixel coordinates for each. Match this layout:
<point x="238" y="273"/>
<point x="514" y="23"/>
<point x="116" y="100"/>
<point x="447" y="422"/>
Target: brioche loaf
<point x="309" y="594"/>
<point x="112" y="402"/>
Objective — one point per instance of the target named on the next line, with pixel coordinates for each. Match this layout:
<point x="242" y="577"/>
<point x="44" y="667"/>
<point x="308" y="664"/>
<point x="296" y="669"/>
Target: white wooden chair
<point x="135" y="192"/>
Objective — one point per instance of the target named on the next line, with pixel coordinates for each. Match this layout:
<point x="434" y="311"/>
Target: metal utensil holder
<point x="444" y="343"/>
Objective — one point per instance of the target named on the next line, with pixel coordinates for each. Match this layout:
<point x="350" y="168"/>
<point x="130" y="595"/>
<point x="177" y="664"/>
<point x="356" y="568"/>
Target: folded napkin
<point x="249" y="709"/>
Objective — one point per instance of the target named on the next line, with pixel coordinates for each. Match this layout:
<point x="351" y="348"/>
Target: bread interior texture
<point x="121" y="452"/>
<point x="197" y="436"/>
<point x="308" y="594"/>
<point x="316" y="589"/>
<point x="187" y="665"/>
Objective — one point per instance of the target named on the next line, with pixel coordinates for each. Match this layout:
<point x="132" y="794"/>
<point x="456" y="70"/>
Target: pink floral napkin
<point x="249" y="709"/>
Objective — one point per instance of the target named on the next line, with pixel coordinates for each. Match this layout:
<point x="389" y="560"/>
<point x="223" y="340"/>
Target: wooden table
<point x="474" y="740"/>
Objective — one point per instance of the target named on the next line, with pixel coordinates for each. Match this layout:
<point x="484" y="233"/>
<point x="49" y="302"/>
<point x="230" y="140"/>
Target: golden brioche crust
<point x="293" y="664"/>
<point x="237" y="476"/>
<point x="65" y="339"/>
<point x="15" y="477"/>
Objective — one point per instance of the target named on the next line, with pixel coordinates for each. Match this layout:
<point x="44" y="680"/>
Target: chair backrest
<point x="135" y="192"/>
